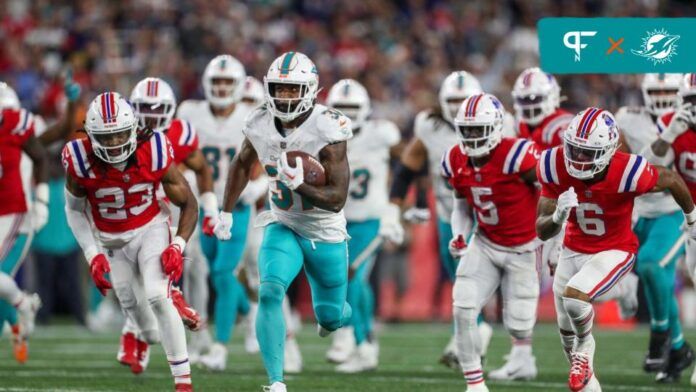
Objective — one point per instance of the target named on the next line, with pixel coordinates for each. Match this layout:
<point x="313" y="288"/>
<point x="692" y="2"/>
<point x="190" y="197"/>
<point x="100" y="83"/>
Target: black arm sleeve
<point x="403" y="177"/>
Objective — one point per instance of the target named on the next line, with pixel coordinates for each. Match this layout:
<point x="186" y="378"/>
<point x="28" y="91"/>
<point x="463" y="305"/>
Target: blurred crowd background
<point x="400" y="50"/>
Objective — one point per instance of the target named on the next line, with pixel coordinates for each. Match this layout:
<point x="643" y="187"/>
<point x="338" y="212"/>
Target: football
<point x="314" y="173"/>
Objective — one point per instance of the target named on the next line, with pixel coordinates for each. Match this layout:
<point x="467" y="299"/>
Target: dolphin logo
<point x="658" y="46"/>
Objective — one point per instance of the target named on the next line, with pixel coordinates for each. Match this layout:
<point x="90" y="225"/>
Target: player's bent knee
<point x="519" y="317"/>
<point x="126" y="296"/>
<point x="329" y="316"/>
<point x="572" y="292"/>
<point x="465" y="317"/>
<point x="271" y="293"/>
<point x="464" y="293"/>
<point x="151" y="336"/>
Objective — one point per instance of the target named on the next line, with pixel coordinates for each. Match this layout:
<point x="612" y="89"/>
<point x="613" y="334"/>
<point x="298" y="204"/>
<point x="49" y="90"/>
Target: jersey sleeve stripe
<point x="190" y="133"/>
<point x="627" y="179"/>
<point x="446" y="168"/>
<point x="512" y="163"/>
<point x="635" y="177"/>
<point x="548" y="170"/>
<point x="544" y="167"/>
<point x="551" y="128"/>
<point x="158" y="157"/>
<point x="608" y="282"/>
<point x="78" y="158"/>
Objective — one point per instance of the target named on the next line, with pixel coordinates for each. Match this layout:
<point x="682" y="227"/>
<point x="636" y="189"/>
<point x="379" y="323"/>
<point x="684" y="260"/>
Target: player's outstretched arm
<point x="333" y="195"/>
<point x="239" y="174"/>
<point x="61" y="130"/>
<point x="412" y="160"/>
<point x="178" y="191"/>
<point x="672" y="181"/>
<point x="546" y="227"/>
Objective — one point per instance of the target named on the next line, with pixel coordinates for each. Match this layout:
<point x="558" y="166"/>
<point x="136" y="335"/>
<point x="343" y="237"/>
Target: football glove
<point x="417" y="215"/>
<point x="209" y="223"/>
<point x="681" y="121"/>
<point x="457" y="246"/>
<point x="173" y="260"/>
<point x="99" y="266"/>
<point x="566" y="202"/>
<point x="390" y="225"/>
<point x="223" y="226"/>
<point x="292" y="177"/>
<point x="70" y="88"/>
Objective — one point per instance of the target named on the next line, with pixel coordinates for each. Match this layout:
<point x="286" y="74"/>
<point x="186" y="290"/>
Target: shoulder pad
<point x="184" y="133"/>
<point x="333" y="125"/>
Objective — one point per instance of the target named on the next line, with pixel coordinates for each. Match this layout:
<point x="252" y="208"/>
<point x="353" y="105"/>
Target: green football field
<point x="65" y="358"/>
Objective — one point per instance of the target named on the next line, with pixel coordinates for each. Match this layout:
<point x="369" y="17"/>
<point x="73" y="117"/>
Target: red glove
<point x="457" y="246"/>
<point x="97" y="268"/>
<point x="208" y="225"/>
<point x="173" y="261"/>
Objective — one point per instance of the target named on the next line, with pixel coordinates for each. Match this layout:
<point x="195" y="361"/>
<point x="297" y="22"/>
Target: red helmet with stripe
<point x="479" y="124"/>
<point x="153" y="104"/>
<point x="590" y="142"/>
<point x="111" y="126"/>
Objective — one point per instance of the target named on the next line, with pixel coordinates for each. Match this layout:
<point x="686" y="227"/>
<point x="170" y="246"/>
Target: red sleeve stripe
<point x="515" y="156"/>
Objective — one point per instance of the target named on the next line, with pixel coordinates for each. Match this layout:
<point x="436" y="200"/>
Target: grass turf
<point x="65" y="358"/>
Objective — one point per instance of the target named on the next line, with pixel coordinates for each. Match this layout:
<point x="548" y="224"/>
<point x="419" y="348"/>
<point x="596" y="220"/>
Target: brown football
<point x="314" y="173"/>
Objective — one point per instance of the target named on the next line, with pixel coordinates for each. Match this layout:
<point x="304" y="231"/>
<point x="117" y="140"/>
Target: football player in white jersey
<point x="219" y="120"/>
<point x="658" y="227"/>
<point x="305" y="226"/>
<point x="434" y="135"/>
<point x="370" y="216"/>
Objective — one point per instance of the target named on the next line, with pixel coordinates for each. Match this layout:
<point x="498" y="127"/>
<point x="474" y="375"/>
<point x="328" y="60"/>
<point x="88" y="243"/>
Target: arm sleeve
<point x="77" y="220"/>
<point x="461" y="217"/>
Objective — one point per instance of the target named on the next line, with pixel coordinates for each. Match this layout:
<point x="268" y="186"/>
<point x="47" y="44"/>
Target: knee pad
<point x="126" y="296"/>
<point x="464" y="293"/>
<point x="271" y="293"/>
<point x="465" y="317"/>
<point x="576" y="308"/>
<point x="150" y="336"/>
<point x="329" y="316"/>
<point x="519" y="316"/>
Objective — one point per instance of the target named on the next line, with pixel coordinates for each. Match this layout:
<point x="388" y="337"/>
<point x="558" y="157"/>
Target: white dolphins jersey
<point x="219" y="138"/>
<point x="368" y="156"/>
<point x="640" y="131"/>
<point x="437" y="137"/>
<point x="322" y="127"/>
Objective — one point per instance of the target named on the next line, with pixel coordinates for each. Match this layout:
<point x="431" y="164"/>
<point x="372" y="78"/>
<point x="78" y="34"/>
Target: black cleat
<point x="678" y="361"/>
<point x="658" y="352"/>
<point x="450" y="360"/>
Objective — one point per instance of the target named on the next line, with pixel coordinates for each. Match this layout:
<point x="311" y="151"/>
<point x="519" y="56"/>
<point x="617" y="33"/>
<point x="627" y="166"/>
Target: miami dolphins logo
<point x="658" y="46"/>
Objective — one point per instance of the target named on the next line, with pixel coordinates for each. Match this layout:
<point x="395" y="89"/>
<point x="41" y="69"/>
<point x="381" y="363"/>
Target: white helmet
<point x="350" y="98"/>
<point x="536" y="95"/>
<point x="111" y="126"/>
<point x="291" y="68"/>
<point x="223" y="67"/>
<point x="687" y="87"/>
<point x="660" y="92"/>
<point x="479" y="124"/>
<point x="253" y="91"/>
<point x="589" y="142"/>
<point x="153" y="104"/>
<point x="457" y="86"/>
<point x="8" y="97"/>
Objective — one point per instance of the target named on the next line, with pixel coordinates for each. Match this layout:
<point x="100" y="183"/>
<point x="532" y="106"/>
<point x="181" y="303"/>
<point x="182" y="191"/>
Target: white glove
<point x="566" y="202"/>
<point x="292" y="177"/>
<point x="417" y="215"/>
<point x="457" y="246"/>
<point x="39" y="209"/>
<point x="223" y="226"/>
<point x="681" y="121"/>
<point x="390" y="225"/>
<point x="39" y="215"/>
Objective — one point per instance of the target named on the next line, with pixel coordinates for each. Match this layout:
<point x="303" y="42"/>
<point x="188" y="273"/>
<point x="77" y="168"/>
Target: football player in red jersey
<point x="154" y="105"/>
<point x="537" y="100"/>
<point x="677" y="144"/>
<point x="592" y="186"/>
<point x="494" y="177"/>
<point x="17" y="135"/>
<point x="113" y="177"/>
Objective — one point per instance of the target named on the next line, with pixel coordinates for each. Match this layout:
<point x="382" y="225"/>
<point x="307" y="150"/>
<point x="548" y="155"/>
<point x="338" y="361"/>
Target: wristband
<point x="90" y="253"/>
<point x="209" y="203"/>
<point x="558" y="217"/>
<point x="690" y="217"/>
<point x="41" y="193"/>
<point x="180" y="242"/>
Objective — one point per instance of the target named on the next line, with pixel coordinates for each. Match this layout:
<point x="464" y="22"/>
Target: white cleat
<point x="518" y="367"/>
<point x="26" y="310"/>
<point x="628" y="304"/>
<point x="485" y="335"/>
<point x="592" y="385"/>
<point x="275" y="387"/>
<point x="292" y="358"/>
<point x="480" y="387"/>
<point x="342" y="346"/>
<point x="364" y="358"/>
<point x="251" y="344"/>
<point x="216" y="358"/>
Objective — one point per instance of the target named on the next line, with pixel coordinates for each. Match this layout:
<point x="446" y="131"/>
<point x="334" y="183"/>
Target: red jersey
<point x="505" y="204"/>
<point x="16" y="127"/>
<point x="183" y="138"/>
<point x="120" y="200"/>
<point x="684" y="148"/>
<point x="602" y="220"/>
<point x="549" y="132"/>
